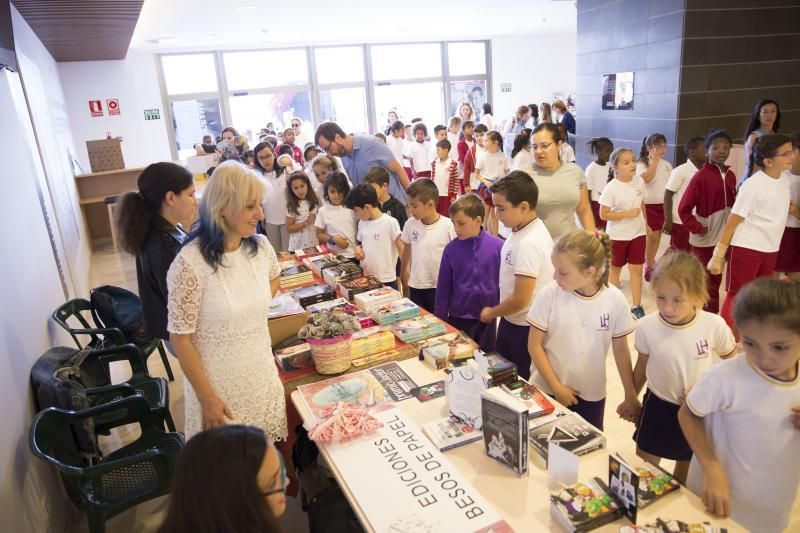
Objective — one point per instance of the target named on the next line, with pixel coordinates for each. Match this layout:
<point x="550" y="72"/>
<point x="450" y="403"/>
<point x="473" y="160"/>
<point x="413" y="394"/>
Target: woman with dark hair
<point x="229" y="478"/>
<point x="487" y="117"/>
<point x="765" y="120"/>
<point x="272" y="173"/>
<point x="534" y="120"/>
<point x="521" y="157"/>
<point x="562" y="186"/>
<point x="150" y="225"/>
<point x="220" y="289"/>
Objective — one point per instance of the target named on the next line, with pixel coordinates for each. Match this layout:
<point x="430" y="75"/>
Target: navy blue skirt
<point x="658" y="431"/>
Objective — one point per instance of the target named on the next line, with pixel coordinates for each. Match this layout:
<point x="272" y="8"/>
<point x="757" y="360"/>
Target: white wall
<point x="134" y="82"/>
<point x="537" y="66"/>
<point x="31" y="495"/>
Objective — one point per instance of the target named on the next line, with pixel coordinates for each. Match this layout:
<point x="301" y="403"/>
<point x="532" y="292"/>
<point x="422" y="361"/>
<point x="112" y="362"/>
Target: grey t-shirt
<point x="559" y="194"/>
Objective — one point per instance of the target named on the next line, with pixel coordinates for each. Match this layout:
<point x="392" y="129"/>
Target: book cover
<point x="584" y="506"/>
<point x="568" y="430"/>
<point x="537" y="402"/>
<point x="295" y="270"/>
<point x="375" y="297"/>
<point x="328" y="305"/>
<point x="438" y="352"/>
<point x="294" y="357"/>
<point x="505" y="429"/>
<point x="419" y="328"/>
<point x="623" y="482"/>
<point x="449" y="433"/>
<point x="666" y="525"/>
<point x="283" y="304"/>
<point x="389" y="313"/>
<point x="463" y="386"/>
<point x="351" y="287"/>
<point x="649" y="481"/>
<point x="314" y="294"/>
<point x="312" y="251"/>
<point x="345" y="270"/>
<point x="317" y="264"/>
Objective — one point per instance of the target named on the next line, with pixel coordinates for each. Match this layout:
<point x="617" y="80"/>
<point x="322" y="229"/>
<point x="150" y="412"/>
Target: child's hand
<point x="566" y="396"/>
<point x="703" y="231"/>
<point x="359" y="253"/>
<point x="684" y="394"/>
<point x="667" y="229"/>
<point x="311" y="218"/>
<point x="629" y="410"/>
<point x="404" y="276"/>
<point x="340" y="241"/>
<point x="794" y="210"/>
<point x="716" y="493"/>
<point x="654" y="154"/>
<point x="795" y="418"/>
<point x="486" y="315"/>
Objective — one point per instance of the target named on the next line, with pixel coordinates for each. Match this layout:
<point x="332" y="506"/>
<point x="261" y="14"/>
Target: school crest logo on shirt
<point x="414" y="236"/>
<point x="376" y="236"/>
<point x="508" y="259"/>
<point x="701" y="348"/>
<point x="605" y="322"/>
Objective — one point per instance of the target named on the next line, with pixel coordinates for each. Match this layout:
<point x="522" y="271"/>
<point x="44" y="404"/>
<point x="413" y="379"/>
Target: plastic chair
<point x="154" y="390"/>
<point x="99" y="336"/>
<point x="135" y="473"/>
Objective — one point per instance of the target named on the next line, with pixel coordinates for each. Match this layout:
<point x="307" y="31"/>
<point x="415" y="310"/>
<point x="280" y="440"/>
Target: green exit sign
<point x="152" y="114"/>
<point x="505" y="87"/>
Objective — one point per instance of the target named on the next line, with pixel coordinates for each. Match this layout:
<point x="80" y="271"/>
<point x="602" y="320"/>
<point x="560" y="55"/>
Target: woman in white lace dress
<point x="220" y="287"/>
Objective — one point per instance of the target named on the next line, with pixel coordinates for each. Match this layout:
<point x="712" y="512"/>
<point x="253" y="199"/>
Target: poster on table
<point x="420" y="490"/>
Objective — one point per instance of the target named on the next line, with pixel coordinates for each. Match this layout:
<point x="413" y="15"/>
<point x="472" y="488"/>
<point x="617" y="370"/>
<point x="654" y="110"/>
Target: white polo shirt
<point x="377" y="239"/>
<point x="679" y="355"/>
<point x="654" y="191"/>
<point x="395" y="144"/>
<point x="596" y="179"/>
<point x="338" y="220"/>
<point x="525" y="253"/>
<point x="427" y="245"/>
<point x="746" y="416"/>
<point x="763" y="202"/>
<point x="274" y="203"/>
<point x="492" y="166"/>
<point x="578" y="333"/>
<point x="678" y="181"/>
<point x="441" y="175"/>
<point x="420" y="154"/>
<point x="624" y="196"/>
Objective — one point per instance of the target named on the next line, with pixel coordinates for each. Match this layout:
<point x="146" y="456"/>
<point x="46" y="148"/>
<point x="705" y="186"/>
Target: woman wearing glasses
<point x="562" y="186"/>
<point x="229" y="478"/>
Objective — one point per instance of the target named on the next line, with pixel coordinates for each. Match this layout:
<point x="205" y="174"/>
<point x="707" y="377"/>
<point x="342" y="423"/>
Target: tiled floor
<point x="109" y="267"/>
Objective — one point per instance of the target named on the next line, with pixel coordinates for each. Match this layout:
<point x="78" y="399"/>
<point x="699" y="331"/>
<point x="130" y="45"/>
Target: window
<point x="251" y="112"/>
<point x="185" y="74"/>
<point x="265" y="68"/>
<point x="339" y="64"/>
<point x="424" y="100"/>
<point x="406" y="61"/>
<point x="464" y="59"/>
<point x="346" y="107"/>
<point x="192" y="119"/>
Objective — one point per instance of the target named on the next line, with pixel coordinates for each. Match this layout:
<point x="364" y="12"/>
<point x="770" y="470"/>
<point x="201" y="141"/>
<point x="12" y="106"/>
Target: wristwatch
<point x="331" y="241"/>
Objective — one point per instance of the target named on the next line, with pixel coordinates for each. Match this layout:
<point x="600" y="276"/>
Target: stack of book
<point x="320" y="262"/>
<point x="306" y="253"/>
<point x="294" y="357"/>
<point x="637" y="484"/>
<point x="450" y="432"/>
<point x="364" y="319"/>
<point x="295" y="275"/>
<point x="538" y="404"/>
<point x="371" y="341"/>
<point x="584" y="506"/>
<point x="439" y="352"/>
<point x="416" y="329"/>
<point x="376" y="298"/>
<point x="505" y="429"/>
<point x="395" y="311"/>
<point x="567" y="429"/>
<point x="306" y="296"/>
<point x="349" y="288"/>
<point x="499" y="370"/>
<point x="334" y="275"/>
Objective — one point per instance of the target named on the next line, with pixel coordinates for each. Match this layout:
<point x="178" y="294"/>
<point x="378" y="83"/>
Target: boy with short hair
<point x="466" y="143"/>
<point x="378" y="178"/>
<point x="418" y="152"/>
<point x="525" y="260"/>
<point x="439" y="134"/>
<point x="469" y="176"/>
<point x="424" y="237"/>
<point x="378" y="243"/>
<point x="444" y="173"/>
<point x="469" y="273"/>
<point x="674" y="189"/>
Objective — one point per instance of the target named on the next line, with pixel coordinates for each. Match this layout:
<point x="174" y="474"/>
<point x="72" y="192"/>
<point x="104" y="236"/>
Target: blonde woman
<point x="220" y="287"/>
<point x="466" y="112"/>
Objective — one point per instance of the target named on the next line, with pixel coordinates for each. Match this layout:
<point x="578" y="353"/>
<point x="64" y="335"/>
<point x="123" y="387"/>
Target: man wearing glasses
<point x="359" y="153"/>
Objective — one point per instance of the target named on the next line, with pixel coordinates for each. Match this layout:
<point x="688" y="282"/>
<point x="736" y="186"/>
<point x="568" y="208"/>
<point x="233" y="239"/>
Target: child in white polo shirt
<point x="575" y="320"/>
<point x="335" y="224"/>
<point x="742" y="419"/>
<point x="524" y="261"/>
<point x="676" y="346"/>
<point x="378" y="243"/>
<point x="424" y="237"/>
<point x="673" y="193"/>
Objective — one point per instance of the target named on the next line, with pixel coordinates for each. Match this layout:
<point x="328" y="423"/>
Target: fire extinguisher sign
<point x="96" y="108"/>
<point x="113" y="106"/>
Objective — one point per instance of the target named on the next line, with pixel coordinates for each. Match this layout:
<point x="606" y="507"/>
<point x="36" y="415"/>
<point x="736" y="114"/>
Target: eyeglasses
<point x="543" y="146"/>
<point x="282" y="488"/>
<point x="327" y="148"/>
<point x="787" y="153"/>
<point x="295" y="125"/>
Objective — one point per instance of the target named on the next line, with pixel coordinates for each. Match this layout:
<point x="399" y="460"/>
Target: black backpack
<point x="115" y="307"/>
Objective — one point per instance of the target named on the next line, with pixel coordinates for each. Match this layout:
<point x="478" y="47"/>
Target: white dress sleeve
<point x="185" y="294"/>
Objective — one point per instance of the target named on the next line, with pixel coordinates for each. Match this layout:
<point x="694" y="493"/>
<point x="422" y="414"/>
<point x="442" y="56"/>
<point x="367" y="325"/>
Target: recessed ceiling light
<point x="245" y="7"/>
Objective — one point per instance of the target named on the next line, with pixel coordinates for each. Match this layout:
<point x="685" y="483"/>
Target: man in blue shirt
<point x="359" y="153"/>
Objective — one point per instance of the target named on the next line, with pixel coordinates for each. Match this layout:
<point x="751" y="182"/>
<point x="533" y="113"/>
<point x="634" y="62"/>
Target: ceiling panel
<point x="82" y="30"/>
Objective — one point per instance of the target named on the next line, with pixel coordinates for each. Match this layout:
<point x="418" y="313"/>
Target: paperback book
<point x="283" y="304"/>
<point x="294" y="357"/>
<point x="322" y="249"/>
<point x="438" y="352"/>
<point x="371" y="341"/>
<point x="567" y="429"/>
<point x="419" y="328"/>
<point x="395" y="311"/>
<point x="295" y="276"/>
<point x="665" y="525"/>
<point x="306" y="296"/>
<point x="637" y="484"/>
<point x="376" y="297"/>
<point x="497" y="368"/>
<point x="343" y="271"/>
<point x="505" y="429"/>
<point x="350" y="287"/>
<point x="538" y="404"/>
<point x="584" y="506"/>
<point x="318" y="263"/>
<point x="328" y="305"/>
<point x="450" y="432"/>
<point x="463" y="387"/>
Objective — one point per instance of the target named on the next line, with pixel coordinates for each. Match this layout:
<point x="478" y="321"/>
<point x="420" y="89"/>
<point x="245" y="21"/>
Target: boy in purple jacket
<point x="469" y="273"/>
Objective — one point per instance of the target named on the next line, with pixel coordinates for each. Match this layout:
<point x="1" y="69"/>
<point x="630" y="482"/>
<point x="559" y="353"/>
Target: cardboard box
<point x="105" y="154"/>
<point x="284" y="327"/>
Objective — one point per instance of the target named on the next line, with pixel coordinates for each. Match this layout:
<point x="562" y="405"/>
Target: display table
<point x="94" y="188"/>
<point x="522" y="501"/>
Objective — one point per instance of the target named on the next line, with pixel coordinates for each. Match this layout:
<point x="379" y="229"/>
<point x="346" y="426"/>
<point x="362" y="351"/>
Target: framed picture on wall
<point x="618" y="91"/>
